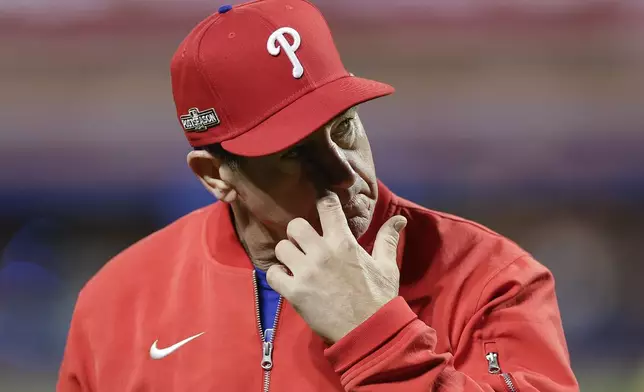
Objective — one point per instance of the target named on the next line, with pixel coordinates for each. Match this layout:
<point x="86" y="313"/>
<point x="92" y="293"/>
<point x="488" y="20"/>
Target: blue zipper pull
<point x="268" y="335"/>
<point x="267" y="350"/>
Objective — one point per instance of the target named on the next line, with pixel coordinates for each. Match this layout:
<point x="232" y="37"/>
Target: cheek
<point x="366" y="161"/>
<point x="294" y="196"/>
<point x="278" y="195"/>
<point x="362" y="163"/>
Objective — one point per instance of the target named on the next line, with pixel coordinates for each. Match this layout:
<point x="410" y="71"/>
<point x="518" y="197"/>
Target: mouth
<point x="356" y="206"/>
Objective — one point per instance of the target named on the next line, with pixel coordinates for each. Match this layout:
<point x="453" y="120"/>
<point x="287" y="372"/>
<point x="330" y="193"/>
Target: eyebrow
<point x="347" y="113"/>
<point x="351" y="110"/>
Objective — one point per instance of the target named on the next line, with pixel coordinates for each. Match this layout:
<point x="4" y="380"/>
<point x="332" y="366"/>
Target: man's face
<point x="280" y="187"/>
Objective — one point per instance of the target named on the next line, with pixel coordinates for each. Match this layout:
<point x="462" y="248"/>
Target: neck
<point x="257" y="238"/>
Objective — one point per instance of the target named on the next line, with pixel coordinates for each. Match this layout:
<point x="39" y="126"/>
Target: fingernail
<point x="400" y="225"/>
<point x="329" y="200"/>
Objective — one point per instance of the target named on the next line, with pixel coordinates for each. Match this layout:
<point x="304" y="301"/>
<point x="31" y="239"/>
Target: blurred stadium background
<point x="527" y="116"/>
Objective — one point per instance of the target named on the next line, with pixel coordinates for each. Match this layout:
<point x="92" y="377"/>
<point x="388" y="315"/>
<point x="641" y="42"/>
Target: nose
<point x="333" y="171"/>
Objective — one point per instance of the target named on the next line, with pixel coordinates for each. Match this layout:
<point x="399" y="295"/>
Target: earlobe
<point x="228" y="196"/>
<point x="224" y="193"/>
<point x="221" y="189"/>
<point x="206" y="168"/>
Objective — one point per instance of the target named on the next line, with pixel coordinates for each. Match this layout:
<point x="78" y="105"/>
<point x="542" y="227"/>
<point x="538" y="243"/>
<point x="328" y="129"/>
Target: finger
<point x="280" y="280"/>
<point x="386" y="244"/>
<point x="332" y="218"/>
<point x="302" y="234"/>
<point x="289" y="255"/>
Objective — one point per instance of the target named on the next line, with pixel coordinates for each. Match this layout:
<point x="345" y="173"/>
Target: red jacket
<point x="475" y="313"/>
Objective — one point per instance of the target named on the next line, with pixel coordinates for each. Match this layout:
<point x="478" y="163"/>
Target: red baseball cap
<point x="261" y="76"/>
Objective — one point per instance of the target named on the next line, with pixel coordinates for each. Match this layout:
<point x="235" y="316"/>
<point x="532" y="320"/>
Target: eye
<point x="345" y="126"/>
<point x="293" y="153"/>
<point x="344" y="132"/>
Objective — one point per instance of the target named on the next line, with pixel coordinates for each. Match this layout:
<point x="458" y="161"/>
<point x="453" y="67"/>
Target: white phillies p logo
<point x="278" y="41"/>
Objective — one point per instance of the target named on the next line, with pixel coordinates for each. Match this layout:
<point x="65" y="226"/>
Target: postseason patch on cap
<point x="199" y="121"/>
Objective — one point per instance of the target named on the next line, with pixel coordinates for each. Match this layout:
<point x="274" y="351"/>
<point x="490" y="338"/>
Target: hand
<point x="335" y="284"/>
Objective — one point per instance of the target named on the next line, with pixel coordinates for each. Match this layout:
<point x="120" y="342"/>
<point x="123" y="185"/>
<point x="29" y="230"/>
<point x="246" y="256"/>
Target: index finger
<point x="332" y="218"/>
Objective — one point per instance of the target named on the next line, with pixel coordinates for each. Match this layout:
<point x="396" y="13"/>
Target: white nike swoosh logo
<point x="158" y="353"/>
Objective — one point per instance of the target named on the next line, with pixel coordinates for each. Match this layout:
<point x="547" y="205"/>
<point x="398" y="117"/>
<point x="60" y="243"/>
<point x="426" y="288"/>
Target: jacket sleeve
<point x="516" y="320"/>
<point x="72" y="376"/>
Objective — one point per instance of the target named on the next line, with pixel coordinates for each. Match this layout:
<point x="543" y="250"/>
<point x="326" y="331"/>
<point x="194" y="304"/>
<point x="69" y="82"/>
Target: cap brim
<point x="305" y="115"/>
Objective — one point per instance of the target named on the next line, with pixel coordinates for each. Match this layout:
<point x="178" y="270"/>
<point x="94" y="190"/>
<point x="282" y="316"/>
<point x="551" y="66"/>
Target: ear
<point x="207" y="168"/>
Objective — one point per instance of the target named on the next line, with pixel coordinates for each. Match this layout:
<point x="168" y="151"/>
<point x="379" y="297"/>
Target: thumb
<point x="386" y="245"/>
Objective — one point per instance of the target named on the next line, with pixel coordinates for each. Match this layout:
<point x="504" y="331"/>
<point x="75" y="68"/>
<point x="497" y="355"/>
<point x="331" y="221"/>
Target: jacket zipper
<point x="508" y="382"/>
<point x="267" y="346"/>
<point x="493" y="367"/>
